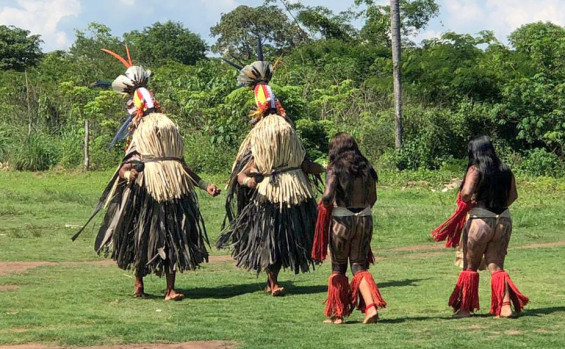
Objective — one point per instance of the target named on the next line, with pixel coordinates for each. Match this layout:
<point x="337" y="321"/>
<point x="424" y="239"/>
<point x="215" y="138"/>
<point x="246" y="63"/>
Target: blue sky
<point x="56" y="20"/>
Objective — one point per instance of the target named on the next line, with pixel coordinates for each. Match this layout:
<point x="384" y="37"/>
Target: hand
<point x="213" y="190"/>
<point x="250" y="182"/>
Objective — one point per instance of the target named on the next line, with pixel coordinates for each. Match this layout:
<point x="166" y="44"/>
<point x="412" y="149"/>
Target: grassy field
<point x="79" y="304"/>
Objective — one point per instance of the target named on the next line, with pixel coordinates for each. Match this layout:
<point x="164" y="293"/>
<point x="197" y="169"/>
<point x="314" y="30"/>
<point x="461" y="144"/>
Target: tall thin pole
<point x="28" y="105"/>
<point x="396" y="59"/>
<point x="86" y="145"/>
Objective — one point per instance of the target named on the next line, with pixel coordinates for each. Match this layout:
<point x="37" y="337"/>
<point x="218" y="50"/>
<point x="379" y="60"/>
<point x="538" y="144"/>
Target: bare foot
<point x="506" y="312"/>
<point x="268" y="287"/>
<point x="277" y="290"/>
<point x="139" y="293"/>
<point x="371" y="316"/>
<point x="138" y="289"/>
<point x="173" y="295"/>
<point x="459" y="314"/>
<point x="334" y="320"/>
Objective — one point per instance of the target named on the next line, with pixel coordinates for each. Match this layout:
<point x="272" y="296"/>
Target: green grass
<point x="85" y="304"/>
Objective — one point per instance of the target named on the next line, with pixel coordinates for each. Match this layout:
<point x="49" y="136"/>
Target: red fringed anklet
<point x="498" y="282"/>
<point x="356" y="297"/>
<point x="465" y="296"/>
<point x="337" y="303"/>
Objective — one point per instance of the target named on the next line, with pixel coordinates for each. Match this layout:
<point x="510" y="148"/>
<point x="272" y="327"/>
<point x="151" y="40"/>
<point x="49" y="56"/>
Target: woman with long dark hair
<point x="345" y="222"/>
<point x="486" y="192"/>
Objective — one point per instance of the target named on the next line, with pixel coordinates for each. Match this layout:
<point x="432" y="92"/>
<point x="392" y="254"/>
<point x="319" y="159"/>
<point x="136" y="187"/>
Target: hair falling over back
<point x="495" y="177"/>
<point x="346" y="159"/>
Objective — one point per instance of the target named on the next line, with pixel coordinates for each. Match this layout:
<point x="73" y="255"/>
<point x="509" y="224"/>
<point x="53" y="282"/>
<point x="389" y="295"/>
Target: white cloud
<point x="502" y="16"/>
<point x="42" y="17"/>
<point x="427" y="34"/>
<point x="128" y="2"/>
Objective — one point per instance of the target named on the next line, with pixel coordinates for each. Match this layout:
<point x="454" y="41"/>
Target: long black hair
<point x="495" y="178"/>
<point x="346" y="160"/>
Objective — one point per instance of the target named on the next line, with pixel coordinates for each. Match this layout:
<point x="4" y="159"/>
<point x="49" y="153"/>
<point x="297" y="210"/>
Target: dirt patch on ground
<point x="221" y="258"/>
<point x="434" y="247"/>
<point x="513" y="332"/>
<point x="8" y="287"/>
<point x="542" y="245"/>
<point x="20" y="267"/>
<point x="184" y="345"/>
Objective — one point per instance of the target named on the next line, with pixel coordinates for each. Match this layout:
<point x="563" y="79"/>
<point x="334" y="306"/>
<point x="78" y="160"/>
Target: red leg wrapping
<point x="465" y="296"/>
<point x="337" y="303"/>
<point x="498" y="281"/>
<point x="356" y="297"/>
<point x="322" y="233"/>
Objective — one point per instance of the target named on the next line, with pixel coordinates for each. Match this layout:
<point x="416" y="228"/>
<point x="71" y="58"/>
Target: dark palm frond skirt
<point x="266" y="233"/>
<point x="149" y="236"/>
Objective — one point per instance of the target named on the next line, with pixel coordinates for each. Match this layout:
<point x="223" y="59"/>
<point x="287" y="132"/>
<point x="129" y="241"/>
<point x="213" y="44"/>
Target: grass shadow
<point x="541" y="311"/>
<point x="222" y="292"/>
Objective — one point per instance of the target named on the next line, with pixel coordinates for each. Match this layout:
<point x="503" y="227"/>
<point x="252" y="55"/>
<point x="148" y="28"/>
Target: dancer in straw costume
<point x="345" y="223"/>
<point x="271" y="223"/>
<point x="153" y="223"/>
<point x="482" y="223"/>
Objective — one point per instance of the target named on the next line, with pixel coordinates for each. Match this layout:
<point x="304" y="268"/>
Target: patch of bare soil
<point x="20" y="267"/>
<point x="184" y="345"/>
<point x="8" y="287"/>
<point x="434" y="247"/>
<point x="220" y="259"/>
<point x="512" y="332"/>
<point x="542" y="245"/>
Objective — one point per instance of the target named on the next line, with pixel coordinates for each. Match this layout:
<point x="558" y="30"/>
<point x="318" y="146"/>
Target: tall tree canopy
<point x="18" y="49"/>
<point x="414" y="16"/>
<point x="164" y="42"/>
<point x="238" y="30"/>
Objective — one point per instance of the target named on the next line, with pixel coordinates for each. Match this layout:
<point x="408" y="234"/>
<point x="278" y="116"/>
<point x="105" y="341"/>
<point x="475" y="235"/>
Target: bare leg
<point x="506" y="310"/>
<point x="371" y="314"/>
<point x="272" y="280"/>
<point x="171" y="293"/>
<point x="138" y="287"/>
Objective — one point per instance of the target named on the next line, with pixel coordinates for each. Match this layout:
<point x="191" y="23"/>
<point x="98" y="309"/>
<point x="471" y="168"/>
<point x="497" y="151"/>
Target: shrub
<point x="35" y="152"/>
<point x="540" y="162"/>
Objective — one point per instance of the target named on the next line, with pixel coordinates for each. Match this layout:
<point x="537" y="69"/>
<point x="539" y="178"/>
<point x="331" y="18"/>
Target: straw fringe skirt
<point x="149" y="236"/>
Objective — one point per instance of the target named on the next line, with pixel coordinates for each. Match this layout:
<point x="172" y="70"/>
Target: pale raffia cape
<point x="274" y="144"/>
<point x="158" y="137"/>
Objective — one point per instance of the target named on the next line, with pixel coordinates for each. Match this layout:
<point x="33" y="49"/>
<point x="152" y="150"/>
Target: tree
<point x="323" y="22"/>
<point x="414" y="14"/>
<point x="18" y="49"/>
<point x="239" y="29"/>
<point x="164" y="42"/>
<point x="396" y="59"/>
<point x="93" y="64"/>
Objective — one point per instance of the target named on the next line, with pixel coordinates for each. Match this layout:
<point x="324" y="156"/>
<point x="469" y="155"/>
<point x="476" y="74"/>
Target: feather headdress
<point x="133" y="83"/>
<point x="257" y="76"/>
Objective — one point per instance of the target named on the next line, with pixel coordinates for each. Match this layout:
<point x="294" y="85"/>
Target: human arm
<point x="311" y="167"/>
<point x="329" y="191"/>
<point x="470" y="185"/>
<point x="210" y="188"/>
<point x="245" y="177"/>
<point x="131" y="167"/>
<point x="513" y="195"/>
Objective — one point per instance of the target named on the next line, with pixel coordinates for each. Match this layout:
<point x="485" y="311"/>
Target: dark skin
<point x="211" y="189"/>
<point x="246" y="178"/>
<point x="359" y="200"/>
<point x="468" y="195"/>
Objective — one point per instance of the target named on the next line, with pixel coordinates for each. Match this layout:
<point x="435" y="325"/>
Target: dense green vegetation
<point x="333" y="76"/>
<point x="71" y="302"/>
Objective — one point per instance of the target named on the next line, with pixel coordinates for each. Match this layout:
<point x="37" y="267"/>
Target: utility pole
<point x="396" y="60"/>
